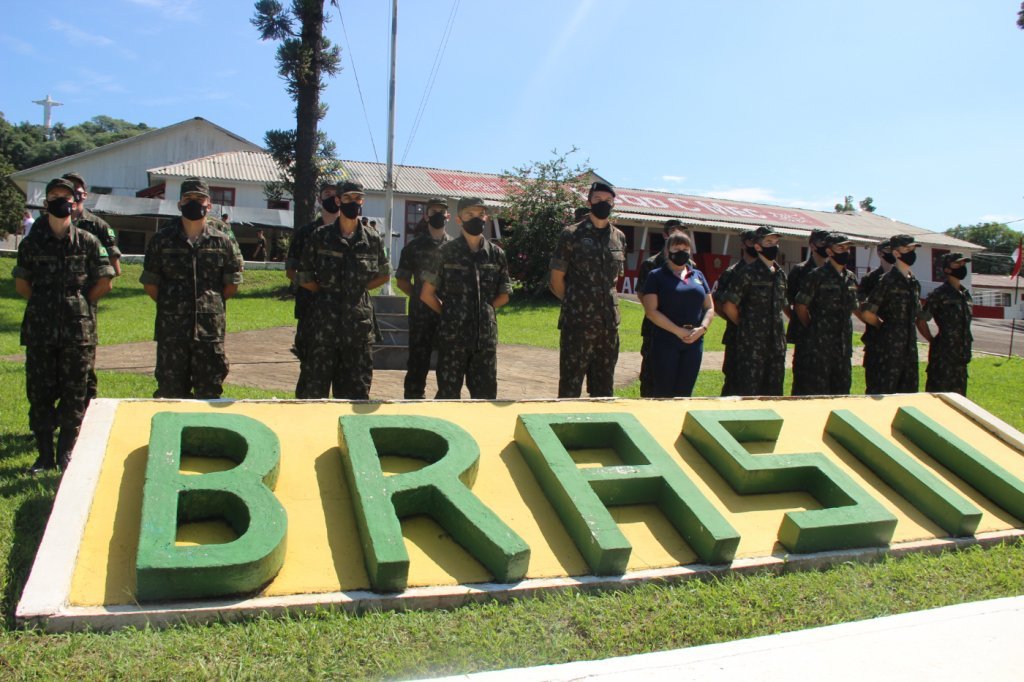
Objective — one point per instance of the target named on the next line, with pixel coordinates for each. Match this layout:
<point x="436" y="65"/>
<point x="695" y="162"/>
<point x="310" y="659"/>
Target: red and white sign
<point x="465" y="183"/>
<point x="717" y="208"/>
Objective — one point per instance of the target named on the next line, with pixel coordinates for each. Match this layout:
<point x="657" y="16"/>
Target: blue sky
<point x="796" y="103"/>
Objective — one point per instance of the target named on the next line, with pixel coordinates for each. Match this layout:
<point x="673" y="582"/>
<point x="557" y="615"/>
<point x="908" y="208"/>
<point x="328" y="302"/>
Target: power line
<point x="359" y="89"/>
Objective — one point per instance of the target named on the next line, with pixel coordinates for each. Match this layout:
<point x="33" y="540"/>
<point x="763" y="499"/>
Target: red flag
<point x="1018" y="259"/>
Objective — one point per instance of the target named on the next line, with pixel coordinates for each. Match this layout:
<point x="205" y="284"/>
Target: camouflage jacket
<point x="648" y="265"/>
<point x="794" y="283"/>
<point x="896" y="299"/>
<point x="867" y="284"/>
<point x="467" y="282"/>
<point x="190" y="280"/>
<point x="303" y="296"/>
<point x="830" y="297"/>
<point x="418" y="256"/>
<point x="61" y="272"/>
<point x="592" y="260"/>
<point x="719" y="291"/>
<point x="951" y="310"/>
<point x="99" y="228"/>
<point x="343" y="267"/>
<point x="760" y="294"/>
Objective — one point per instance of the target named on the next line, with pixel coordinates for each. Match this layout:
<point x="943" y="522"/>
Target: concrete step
<point x="396" y="357"/>
<point x="394" y="305"/>
<point x="392" y="321"/>
<point x="393" y="337"/>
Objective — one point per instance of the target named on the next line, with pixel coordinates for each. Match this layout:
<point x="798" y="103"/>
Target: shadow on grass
<point x="29" y="522"/>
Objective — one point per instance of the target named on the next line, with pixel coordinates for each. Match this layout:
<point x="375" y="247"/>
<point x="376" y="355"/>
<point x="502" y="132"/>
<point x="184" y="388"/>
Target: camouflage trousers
<point x="56" y="384"/>
<point x="477" y="366"/>
<point x="892" y="370"/>
<point x="303" y="338"/>
<point x="345" y="372"/>
<point x="945" y="374"/>
<point x="592" y="354"/>
<point x="805" y="366"/>
<point x="728" y="358"/>
<point x="422" y="332"/>
<point x="190" y="369"/>
<point x="823" y="371"/>
<point x="758" y="373"/>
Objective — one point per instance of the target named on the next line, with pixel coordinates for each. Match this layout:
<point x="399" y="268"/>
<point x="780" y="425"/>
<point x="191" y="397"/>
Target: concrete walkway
<point x="976" y="641"/>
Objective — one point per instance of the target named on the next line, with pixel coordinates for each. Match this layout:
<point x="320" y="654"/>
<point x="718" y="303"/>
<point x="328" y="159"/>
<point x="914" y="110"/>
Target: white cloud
<point x="18" y="45"/>
<point x="176" y="9"/>
<point x="996" y="218"/>
<point x="677" y="179"/>
<point x="762" y="195"/>
<point x="77" y="36"/>
<point x="91" y="81"/>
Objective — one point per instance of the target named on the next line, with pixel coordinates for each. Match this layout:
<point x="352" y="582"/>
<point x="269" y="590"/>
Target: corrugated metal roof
<point x="111" y="204"/>
<point x="244" y="166"/>
<point x="992" y="281"/>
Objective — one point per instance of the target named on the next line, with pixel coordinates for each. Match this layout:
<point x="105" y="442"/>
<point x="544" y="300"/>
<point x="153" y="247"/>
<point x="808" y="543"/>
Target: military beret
<point x="950" y="258"/>
<point x="470" y="202"/>
<point x="75" y="178"/>
<point x="60" y="182"/>
<point x="899" y="240"/>
<point x="601" y="187"/>
<point x="670" y="223"/>
<point x="351" y="187"/>
<point x="580" y="212"/>
<point x="194" y="186"/>
<point x="762" y="232"/>
<point x="437" y="201"/>
<point x="833" y="238"/>
<point x="818" y="235"/>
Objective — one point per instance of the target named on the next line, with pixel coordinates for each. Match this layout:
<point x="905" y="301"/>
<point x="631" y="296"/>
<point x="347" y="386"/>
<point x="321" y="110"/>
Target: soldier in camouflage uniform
<point x="465" y="283"/>
<point x="587" y="262"/>
<point x="330" y="209"/>
<point x="804" y="363"/>
<point x="950" y="350"/>
<point x="892" y="308"/>
<point x="649" y="264"/>
<point x="341" y="263"/>
<point x="191" y="268"/>
<point x="416" y="258"/>
<point x="867" y="284"/>
<point x="827" y="297"/>
<point x="62" y="271"/>
<point x="747" y="256"/>
<point x="754" y="302"/>
<point x="85" y="219"/>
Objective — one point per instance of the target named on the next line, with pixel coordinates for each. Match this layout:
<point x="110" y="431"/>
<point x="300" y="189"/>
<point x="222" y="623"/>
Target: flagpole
<point x="389" y="182"/>
<point x="1018" y="262"/>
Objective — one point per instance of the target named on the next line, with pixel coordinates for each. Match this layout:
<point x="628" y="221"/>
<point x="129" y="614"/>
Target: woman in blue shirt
<point x="677" y="299"/>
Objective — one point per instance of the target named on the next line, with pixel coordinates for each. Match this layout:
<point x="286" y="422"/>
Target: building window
<point x="223" y="196"/>
<point x="279" y="204"/>
<point x="414" y="212"/>
<point x="937" y="274"/>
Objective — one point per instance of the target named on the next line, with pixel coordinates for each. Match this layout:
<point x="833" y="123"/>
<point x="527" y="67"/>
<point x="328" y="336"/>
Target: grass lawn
<point x="551" y="629"/>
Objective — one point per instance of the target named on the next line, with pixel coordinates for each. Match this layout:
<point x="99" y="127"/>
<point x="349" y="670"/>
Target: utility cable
<point x="359" y="89"/>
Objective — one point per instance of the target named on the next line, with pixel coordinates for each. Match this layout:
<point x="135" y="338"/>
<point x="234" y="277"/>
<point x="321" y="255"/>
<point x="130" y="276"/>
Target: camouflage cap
<point x="469" y="202"/>
<point x="75" y="178"/>
<point x="747" y="235"/>
<point x="884" y="245"/>
<point x="899" y="240"/>
<point x="670" y="224"/>
<point x="954" y="257"/>
<point x="194" y="186"/>
<point x="437" y="201"/>
<point x="762" y="232"/>
<point x="60" y="182"/>
<point x="351" y="187"/>
<point x="601" y="187"/>
<point x="833" y="238"/>
<point x="580" y="212"/>
<point x="327" y="184"/>
<point x="818" y="235"/>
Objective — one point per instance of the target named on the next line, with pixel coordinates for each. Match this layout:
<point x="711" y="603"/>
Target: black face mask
<point x="909" y="258"/>
<point x="770" y="252"/>
<point x="841" y="258"/>
<point x="679" y="257"/>
<point x="474" y="226"/>
<point x="437" y="221"/>
<point x="601" y="209"/>
<point x="351" y="210"/>
<point x="820" y="250"/>
<point x="889" y="258"/>
<point x="331" y="204"/>
<point x="59" y="208"/>
<point x="959" y="273"/>
<point x="193" y="210"/>
<point x="751" y="251"/>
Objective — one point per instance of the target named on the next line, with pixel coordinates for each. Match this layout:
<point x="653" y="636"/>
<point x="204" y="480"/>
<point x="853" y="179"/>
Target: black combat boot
<point x="65" y="444"/>
<point x="44" y="444"/>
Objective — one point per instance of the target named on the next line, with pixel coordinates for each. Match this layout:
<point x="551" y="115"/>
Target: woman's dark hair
<point x="677" y="239"/>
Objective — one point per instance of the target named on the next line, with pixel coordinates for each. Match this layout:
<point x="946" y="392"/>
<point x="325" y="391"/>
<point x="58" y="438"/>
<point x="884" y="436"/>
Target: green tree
<point x="12" y="203"/>
<point x="846" y="206"/>
<point x="868" y="204"/>
<point x="998" y="240"/>
<point x="25" y="144"/>
<point x="304" y="58"/>
<point x="1020" y="17"/>
<point x="540" y="199"/>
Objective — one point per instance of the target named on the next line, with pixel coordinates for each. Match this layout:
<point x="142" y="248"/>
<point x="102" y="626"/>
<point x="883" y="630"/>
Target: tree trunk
<point x="307" y="113"/>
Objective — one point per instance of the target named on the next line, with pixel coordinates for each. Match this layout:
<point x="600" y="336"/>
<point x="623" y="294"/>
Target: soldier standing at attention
<point x="827" y="298"/>
<point x="341" y="263"/>
<point x="330" y="209"/>
<point x="804" y="364"/>
<point x="867" y="284"/>
<point x="892" y="308"/>
<point x="62" y="271"/>
<point x="465" y="283"/>
<point x="587" y="262"/>
<point x="747" y="256"/>
<point x="950" y="350"/>
<point x="754" y="302"/>
<point x="649" y="264"/>
<point x="423" y="322"/>
<point x="191" y="268"/>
